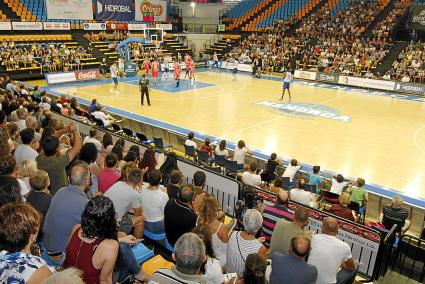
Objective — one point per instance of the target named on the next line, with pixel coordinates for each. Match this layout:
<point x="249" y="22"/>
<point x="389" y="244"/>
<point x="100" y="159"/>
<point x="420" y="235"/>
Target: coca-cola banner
<point x="67" y="77"/>
<point x="151" y="8"/>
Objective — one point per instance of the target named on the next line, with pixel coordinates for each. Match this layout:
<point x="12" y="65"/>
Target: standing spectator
<point x="285" y="231"/>
<point x="108" y="175"/>
<point x="326" y="246"/>
<point x="93" y="245"/>
<point x="179" y="217"/>
<point x="211" y="268"/>
<point x="127" y="203"/>
<point x="242" y="244"/>
<point x="269" y="174"/>
<point x="19" y="225"/>
<point x="272" y="214"/>
<point x="189" y="255"/>
<point x="300" y="195"/>
<point x="54" y="164"/>
<point x="251" y="177"/>
<point x="316" y="179"/>
<point x="26" y="151"/>
<point x="291" y="170"/>
<point x="291" y="268"/>
<point x="239" y="154"/>
<point x="65" y="212"/>
<point x="153" y="202"/>
<point x="176" y="177"/>
<point x="92" y="139"/>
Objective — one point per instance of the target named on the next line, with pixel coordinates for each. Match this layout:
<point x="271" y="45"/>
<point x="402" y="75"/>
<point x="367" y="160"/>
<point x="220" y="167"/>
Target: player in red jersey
<point x="177" y="71"/>
<point x="192" y="70"/>
<point x="187" y="63"/>
<point x="155" y="71"/>
<point x="146" y="67"/>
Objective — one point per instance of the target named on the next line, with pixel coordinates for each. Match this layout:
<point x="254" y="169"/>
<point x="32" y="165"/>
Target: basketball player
<point x="235" y="68"/>
<point x="177" y="72"/>
<point x="114" y="76"/>
<point x="146" y="66"/>
<point x="155" y="71"/>
<point x="144" y="89"/>
<point x="286" y="84"/>
<point x="167" y="62"/>
<point x="187" y="63"/>
<point x="192" y="70"/>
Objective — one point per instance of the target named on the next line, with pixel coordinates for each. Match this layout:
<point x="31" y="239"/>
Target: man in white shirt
<point x="189" y="141"/>
<point x="106" y="118"/>
<point x="291" y="170"/>
<point x="300" y="195"/>
<point x="92" y="139"/>
<point x="125" y="198"/>
<point x="328" y="254"/>
<point x="25" y="151"/>
<point x="251" y="177"/>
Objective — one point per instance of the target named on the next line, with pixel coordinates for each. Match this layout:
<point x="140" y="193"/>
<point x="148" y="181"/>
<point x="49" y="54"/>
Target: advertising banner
<point x="151" y="8"/>
<point x="27" y="26"/>
<point x="117" y="26"/>
<point x="379" y="84"/>
<point x="229" y="65"/>
<point x="117" y="10"/>
<point x="137" y="27"/>
<point x="57" y="26"/>
<point x="417" y="89"/>
<point x="65" y="77"/>
<point x="130" y="69"/>
<point x="94" y="26"/>
<point x="69" y="9"/>
<point x="326" y="77"/>
<point x="5" y="26"/>
<point x="87" y="75"/>
<point x="306" y="75"/>
<point x="417" y="19"/>
<point x="352" y="81"/>
<point x="165" y="27"/>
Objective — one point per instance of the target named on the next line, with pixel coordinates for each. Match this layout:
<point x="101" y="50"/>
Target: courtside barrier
<point x="364" y="242"/>
<point x="72" y="76"/>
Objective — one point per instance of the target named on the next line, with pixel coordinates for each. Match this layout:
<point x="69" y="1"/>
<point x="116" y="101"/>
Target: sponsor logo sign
<point x="418" y="89"/>
<point x="27" y="26"/>
<point x="155" y="10"/>
<point x="306" y="110"/>
<point x="326" y="77"/>
<point x="137" y="27"/>
<point x="418" y="17"/>
<point x="117" y="26"/>
<point x="86" y="75"/>
<point x="5" y="26"/>
<point x="306" y="75"/>
<point x="118" y="10"/>
<point x="94" y="26"/>
<point x="69" y="9"/>
<point x="66" y="77"/>
<point x="56" y="26"/>
<point x="165" y="27"/>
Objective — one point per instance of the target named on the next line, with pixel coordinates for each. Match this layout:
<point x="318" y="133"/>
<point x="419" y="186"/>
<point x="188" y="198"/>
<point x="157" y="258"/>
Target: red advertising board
<point x="86" y="75"/>
<point x="117" y="26"/>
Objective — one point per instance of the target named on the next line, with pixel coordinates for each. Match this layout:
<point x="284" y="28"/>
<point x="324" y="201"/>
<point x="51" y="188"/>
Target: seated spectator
<point x="199" y="179"/>
<point x="189" y="141"/>
<point x="32" y="122"/>
<point x="148" y="161"/>
<point x="92" y="139"/>
<point x="8" y="167"/>
<point x="255" y="271"/>
<point x="153" y="203"/>
<point x="242" y="244"/>
<point x="108" y="175"/>
<point x="26" y="151"/>
<point x="277" y="185"/>
<point x="291" y="170"/>
<point x="273" y="214"/>
<point x="105" y="118"/>
<point x="19" y="225"/>
<point x="176" y="177"/>
<point x="66" y="276"/>
<point x="239" y="155"/>
<point x="127" y="203"/>
<point x="221" y="149"/>
<point x="338" y="184"/>
<point x="211" y="268"/>
<point x="22" y="114"/>
<point x="189" y="255"/>
<point x="251" y="177"/>
<point x="358" y="195"/>
<point x="396" y="212"/>
<point x="54" y="164"/>
<point x="342" y="209"/>
<point x="291" y="268"/>
<point x="208" y="215"/>
<point x="107" y="143"/>
<point x="93" y="246"/>
<point x="168" y="166"/>
<point x="326" y="246"/>
<point x="269" y="174"/>
<point x="316" y="179"/>
<point x="300" y="195"/>
<point x="285" y="231"/>
<point x="93" y="106"/>
<point x="65" y="211"/>
<point x="9" y="190"/>
<point x="39" y="196"/>
<point x="25" y="170"/>
<point x="89" y="154"/>
<point x="179" y="216"/>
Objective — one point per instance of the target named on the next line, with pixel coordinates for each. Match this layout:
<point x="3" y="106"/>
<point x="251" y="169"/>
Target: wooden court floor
<point x="379" y="138"/>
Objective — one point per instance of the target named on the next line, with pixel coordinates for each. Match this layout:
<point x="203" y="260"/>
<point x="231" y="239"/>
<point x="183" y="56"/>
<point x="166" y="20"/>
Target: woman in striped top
<point x="242" y="244"/>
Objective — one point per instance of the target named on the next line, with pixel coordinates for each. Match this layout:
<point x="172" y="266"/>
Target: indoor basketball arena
<point x="212" y="141"/>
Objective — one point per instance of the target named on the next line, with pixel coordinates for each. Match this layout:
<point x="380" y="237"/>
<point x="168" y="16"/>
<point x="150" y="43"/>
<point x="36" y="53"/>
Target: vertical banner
<point x="151" y="10"/>
<point x="69" y="9"/>
<point x="117" y="10"/>
<point x="417" y="19"/>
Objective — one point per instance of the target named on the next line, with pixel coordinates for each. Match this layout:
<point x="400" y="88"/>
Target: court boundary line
<point x="415" y="139"/>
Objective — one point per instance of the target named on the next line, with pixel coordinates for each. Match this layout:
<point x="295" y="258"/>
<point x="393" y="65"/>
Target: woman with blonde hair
<point x="220" y="233"/>
<point x="26" y="169"/>
<point x="66" y="276"/>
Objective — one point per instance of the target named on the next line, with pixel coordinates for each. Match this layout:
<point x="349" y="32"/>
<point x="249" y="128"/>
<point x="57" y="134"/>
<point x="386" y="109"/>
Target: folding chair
<point x="128" y="132"/>
<point x="220" y="161"/>
<point x="117" y="128"/>
<point x="189" y="151"/>
<point x="203" y="157"/>
<point x="159" y="143"/>
<point x="142" y="137"/>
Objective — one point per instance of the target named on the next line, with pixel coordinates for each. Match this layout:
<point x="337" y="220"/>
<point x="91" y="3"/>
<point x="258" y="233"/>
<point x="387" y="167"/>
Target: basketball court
<point x="374" y="135"/>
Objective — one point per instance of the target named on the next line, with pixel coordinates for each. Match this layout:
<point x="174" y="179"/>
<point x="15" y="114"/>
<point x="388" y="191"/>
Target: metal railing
<point x="409" y="258"/>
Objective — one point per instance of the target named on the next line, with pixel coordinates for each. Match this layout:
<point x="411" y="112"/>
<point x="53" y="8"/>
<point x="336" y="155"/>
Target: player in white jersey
<point x="167" y="62"/>
<point x="114" y="76"/>
<point x="287" y="83"/>
<point x="235" y="65"/>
